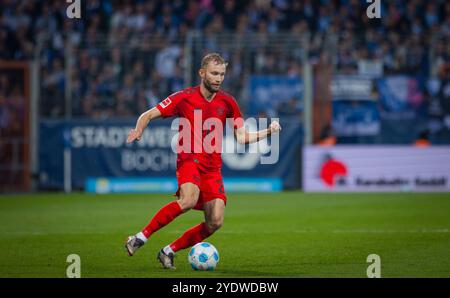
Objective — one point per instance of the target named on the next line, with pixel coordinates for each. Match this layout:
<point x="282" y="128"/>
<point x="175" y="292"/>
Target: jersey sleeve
<point x="235" y="114"/>
<point x="169" y="106"/>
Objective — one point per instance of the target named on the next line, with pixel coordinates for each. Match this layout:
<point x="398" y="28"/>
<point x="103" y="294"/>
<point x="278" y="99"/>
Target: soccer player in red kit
<point x="200" y="184"/>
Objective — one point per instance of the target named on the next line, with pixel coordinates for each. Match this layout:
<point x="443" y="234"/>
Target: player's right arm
<point x="166" y="108"/>
<point x="142" y="122"/>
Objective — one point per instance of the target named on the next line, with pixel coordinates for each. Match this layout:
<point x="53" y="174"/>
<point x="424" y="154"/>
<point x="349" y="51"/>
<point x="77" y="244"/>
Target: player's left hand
<point x="274" y="127"/>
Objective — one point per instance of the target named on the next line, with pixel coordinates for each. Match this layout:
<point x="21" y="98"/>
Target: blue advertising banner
<point x="353" y="87"/>
<point x="99" y="149"/>
<point x="143" y="184"/>
<point x="355" y="111"/>
<point x="268" y="93"/>
<point x="355" y="118"/>
<point x="401" y="97"/>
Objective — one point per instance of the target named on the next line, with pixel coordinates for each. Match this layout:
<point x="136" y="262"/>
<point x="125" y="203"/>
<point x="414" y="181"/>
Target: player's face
<point x="212" y="76"/>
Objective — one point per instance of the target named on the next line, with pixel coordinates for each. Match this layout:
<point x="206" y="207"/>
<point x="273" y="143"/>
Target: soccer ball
<point x="203" y="256"/>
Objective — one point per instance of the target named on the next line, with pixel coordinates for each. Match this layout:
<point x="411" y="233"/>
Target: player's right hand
<point x="134" y="135"/>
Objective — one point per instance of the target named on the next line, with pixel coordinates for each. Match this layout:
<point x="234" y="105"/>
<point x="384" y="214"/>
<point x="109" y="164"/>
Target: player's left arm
<point x="241" y="134"/>
<point x="245" y="137"/>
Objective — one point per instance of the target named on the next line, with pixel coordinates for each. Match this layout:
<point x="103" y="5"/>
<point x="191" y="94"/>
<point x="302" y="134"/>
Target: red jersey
<point x="189" y="102"/>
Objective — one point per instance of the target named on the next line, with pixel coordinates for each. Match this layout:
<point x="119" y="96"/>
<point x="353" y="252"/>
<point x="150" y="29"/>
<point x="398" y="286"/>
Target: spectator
<point x="290" y="108"/>
<point x="423" y="139"/>
<point x="148" y="35"/>
<point x="327" y="137"/>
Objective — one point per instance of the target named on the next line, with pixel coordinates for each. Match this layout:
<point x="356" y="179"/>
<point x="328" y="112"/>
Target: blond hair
<point x="212" y="57"/>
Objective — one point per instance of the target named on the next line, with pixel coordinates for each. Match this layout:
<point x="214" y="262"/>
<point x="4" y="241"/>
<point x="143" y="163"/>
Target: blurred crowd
<point x="126" y="55"/>
<point x="12" y="127"/>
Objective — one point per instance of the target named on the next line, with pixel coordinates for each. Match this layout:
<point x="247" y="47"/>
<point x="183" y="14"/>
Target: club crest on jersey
<point x="166" y="102"/>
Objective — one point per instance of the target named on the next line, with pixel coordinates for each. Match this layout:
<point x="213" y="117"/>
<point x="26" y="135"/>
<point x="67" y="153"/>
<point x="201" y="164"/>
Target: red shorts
<point x="210" y="183"/>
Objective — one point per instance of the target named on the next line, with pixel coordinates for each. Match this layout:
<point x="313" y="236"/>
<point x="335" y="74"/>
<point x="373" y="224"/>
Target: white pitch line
<point x="343" y="231"/>
<point x="335" y="231"/>
<point x="416" y="231"/>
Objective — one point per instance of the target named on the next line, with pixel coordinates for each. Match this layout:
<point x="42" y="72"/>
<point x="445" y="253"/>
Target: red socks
<point x="191" y="237"/>
<point x="168" y="213"/>
<point x="164" y="216"/>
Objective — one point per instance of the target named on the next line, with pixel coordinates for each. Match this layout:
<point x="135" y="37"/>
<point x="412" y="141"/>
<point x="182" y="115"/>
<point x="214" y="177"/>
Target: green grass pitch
<point x="289" y="234"/>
